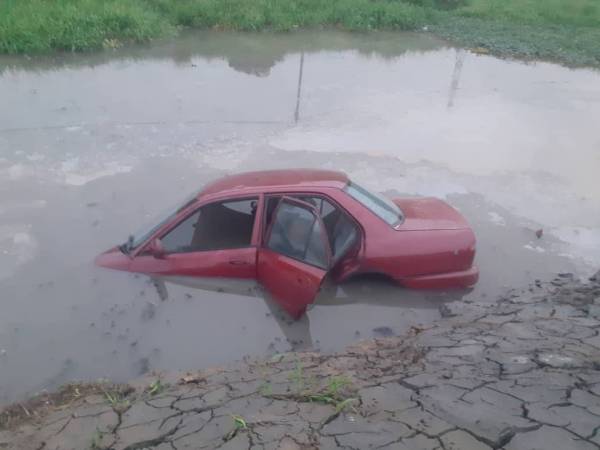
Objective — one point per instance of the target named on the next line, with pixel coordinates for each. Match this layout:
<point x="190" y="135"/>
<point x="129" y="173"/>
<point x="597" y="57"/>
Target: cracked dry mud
<point x="523" y="373"/>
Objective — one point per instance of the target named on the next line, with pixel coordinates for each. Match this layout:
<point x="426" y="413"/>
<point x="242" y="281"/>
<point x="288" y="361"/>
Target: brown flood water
<point x="94" y="146"/>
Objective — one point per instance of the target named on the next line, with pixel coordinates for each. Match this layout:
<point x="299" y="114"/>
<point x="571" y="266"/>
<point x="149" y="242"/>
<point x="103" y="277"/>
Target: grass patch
<point x="35" y="26"/>
<point x="39" y="406"/>
<point x="563" y="30"/>
<point x="156" y="387"/>
<point x="337" y="391"/>
<point x="567" y="44"/>
<point x="118" y="399"/>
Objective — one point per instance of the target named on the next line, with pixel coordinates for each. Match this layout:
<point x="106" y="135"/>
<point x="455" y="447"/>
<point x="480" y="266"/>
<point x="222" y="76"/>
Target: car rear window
<point x="377" y="204"/>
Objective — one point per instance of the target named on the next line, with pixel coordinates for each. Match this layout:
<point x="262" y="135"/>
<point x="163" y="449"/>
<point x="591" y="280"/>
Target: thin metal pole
<point x="297" y="113"/>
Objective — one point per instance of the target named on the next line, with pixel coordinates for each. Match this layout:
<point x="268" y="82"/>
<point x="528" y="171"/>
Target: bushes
<point x="285" y="15"/>
<point x="33" y="26"/>
<point x="581" y="13"/>
<point x="520" y="27"/>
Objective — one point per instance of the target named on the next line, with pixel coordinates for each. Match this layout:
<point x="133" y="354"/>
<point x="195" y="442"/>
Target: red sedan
<point x="289" y="229"/>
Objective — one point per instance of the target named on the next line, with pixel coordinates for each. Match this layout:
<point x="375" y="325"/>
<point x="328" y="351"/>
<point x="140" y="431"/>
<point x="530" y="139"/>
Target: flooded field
<point x="92" y="147"/>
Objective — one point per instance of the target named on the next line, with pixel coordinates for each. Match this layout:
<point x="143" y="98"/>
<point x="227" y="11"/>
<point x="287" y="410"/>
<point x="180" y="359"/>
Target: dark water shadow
<point x="366" y="290"/>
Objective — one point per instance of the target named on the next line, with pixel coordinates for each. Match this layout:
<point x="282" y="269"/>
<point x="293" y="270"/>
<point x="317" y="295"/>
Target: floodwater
<point x="94" y="146"/>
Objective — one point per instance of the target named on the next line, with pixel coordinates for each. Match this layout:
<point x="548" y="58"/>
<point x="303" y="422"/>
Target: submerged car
<point x="290" y="229"/>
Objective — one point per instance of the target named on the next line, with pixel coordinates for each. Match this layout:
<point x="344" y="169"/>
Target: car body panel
<point x="423" y="252"/>
<point x="237" y="286"/>
<point x="432" y="247"/>
<point x="461" y="278"/>
<point x="233" y="263"/>
<point x="269" y="179"/>
<point x="292" y="284"/>
<point x="429" y="214"/>
<point x="113" y="258"/>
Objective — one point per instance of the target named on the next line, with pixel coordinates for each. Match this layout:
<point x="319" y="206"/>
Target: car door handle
<point x="238" y="262"/>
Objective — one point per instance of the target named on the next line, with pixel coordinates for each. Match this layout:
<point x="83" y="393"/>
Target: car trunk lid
<point x="429" y="214"/>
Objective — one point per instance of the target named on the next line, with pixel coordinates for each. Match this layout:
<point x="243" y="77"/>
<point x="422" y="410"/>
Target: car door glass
<point x="179" y="239"/>
<point x="343" y="235"/>
<point x="296" y="233"/>
<point x="315" y="251"/>
<point x="341" y="231"/>
<point x="216" y="226"/>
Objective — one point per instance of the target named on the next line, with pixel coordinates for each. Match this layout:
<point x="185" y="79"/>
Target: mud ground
<point x="520" y="373"/>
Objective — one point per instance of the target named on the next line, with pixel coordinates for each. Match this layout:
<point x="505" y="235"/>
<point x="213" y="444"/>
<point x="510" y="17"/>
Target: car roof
<point x="276" y="179"/>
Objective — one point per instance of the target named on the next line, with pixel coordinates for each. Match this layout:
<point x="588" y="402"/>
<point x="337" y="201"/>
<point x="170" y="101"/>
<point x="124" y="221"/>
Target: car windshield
<point x="144" y="234"/>
<point x="378" y="204"/>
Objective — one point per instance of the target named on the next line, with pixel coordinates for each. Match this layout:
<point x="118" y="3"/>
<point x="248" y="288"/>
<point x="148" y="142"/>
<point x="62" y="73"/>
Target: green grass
<point x="35" y="26"/>
<point x="566" y="31"/>
<point x="156" y="387"/>
<point x="581" y="13"/>
<point x="562" y="30"/>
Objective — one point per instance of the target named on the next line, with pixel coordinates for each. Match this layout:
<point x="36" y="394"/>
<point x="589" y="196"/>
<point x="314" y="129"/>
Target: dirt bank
<point x="521" y="373"/>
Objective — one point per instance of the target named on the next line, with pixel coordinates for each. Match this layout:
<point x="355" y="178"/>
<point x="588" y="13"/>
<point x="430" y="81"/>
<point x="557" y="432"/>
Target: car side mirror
<point x="156" y="249"/>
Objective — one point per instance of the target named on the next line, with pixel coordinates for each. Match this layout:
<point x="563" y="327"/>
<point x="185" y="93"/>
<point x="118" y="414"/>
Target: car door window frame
<point x="315" y="213"/>
<point x="143" y="250"/>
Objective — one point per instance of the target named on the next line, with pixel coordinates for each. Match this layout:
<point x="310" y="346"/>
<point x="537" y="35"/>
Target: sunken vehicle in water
<point x="289" y="230"/>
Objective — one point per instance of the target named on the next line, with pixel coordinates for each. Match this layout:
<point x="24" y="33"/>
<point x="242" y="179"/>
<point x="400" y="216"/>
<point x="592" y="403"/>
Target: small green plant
<point x="117" y="400"/>
<point x="156" y="387"/>
<point x="345" y="404"/>
<point x="337" y="383"/>
<point x="334" y="394"/>
<point x="239" y="424"/>
<point x="322" y="398"/>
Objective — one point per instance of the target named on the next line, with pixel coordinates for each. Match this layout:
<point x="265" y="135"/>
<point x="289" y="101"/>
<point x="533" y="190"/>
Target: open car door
<point x="295" y="256"/>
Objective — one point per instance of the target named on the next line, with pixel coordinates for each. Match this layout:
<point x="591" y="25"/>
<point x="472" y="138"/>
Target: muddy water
<point x="94" y="146"/>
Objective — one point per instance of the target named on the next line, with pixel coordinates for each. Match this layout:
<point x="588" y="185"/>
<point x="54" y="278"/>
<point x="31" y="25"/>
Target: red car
<point x="289" y="229"/>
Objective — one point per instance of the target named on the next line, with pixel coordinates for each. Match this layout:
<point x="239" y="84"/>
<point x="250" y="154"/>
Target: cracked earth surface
<point x="522" y="373"/>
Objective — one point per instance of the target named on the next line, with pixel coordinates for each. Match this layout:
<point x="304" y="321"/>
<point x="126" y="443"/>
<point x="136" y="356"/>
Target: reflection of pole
<point x="460" y="57"/>
<point x="297" y="113"/>
<point x="161" y="288"/>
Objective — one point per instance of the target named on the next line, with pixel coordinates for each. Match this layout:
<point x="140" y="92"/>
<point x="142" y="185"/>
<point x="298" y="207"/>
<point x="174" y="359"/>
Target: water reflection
<point x="250" y="53"/>
<point x="368" y="290"/>
<point x="458" y="64"/>
<point x="158" y="121"/>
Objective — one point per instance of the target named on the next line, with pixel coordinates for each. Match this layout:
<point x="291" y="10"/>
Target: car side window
<point x="341" y="230"/>
<point x="342" y="236"/>
<point x="216" y="226"/>
<point x="296" y="233"/>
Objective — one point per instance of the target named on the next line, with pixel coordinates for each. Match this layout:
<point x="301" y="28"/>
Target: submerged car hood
<point x="429" y="214"/>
